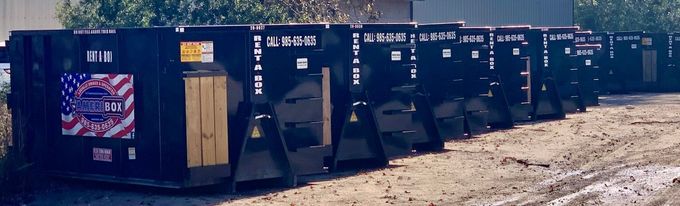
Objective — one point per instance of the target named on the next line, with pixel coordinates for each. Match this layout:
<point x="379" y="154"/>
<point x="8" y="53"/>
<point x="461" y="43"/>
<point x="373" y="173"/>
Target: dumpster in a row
<point x="287" y="131"/>
<point x="441" y="77"/>
<point x="371" y="119"/>
<point x="558" y="57"/>
<point x="545" y="95"/>
<point x="598" y="61"/>
<point x="274" y="91"/>
<point x="654" y="48"/>
<point x="670" y="74"/>
<point x="376" y="80"/>
<point x="485" y="103"/>
<point x="514" y="70"/>
<point x="639" y="61"/>
<point x="110" y="105"/>
<point x="589" y="70"/>
<point x="626" y="62"/>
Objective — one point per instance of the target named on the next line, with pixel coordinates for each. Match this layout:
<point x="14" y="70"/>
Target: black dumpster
<point x="626" y="65"/>
<point x="111" y="105"/>
<point x="513" y="57"/>
<point x="294" y="87"/>
<point x="670" y="74"/>
<point x="441" y="77"/>
<point x="375" y="85"/>
<point x="601" y="61"/>
<point x="485" y="102"/>
<point x="278" y="115"/>
<point x="546" y="99"/>
<point x="589" y="71"/>
<point x="654" y="62"/>
<point x="560" y="55"/>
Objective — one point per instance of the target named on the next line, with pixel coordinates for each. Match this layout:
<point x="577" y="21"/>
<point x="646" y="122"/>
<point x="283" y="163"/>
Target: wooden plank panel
<point x="221" y="128"/>
<point x="193" y="111"/>
<point x="207" y="120"/>
<point x="326" y="96"/>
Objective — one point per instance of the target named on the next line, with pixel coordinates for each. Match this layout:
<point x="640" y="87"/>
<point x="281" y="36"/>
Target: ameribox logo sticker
<point x="98" y="105"/>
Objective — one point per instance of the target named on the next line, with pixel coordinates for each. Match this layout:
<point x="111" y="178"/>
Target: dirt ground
<point x="625" y="152"/>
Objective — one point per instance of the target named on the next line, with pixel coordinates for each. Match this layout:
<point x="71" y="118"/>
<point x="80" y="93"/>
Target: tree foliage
<point x="621" y="15"/>
<point x="147" y="13"/>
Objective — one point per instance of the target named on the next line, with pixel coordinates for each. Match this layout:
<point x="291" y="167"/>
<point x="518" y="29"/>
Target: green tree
<point x="621" y="15"/>
<point x="146" y="13"/>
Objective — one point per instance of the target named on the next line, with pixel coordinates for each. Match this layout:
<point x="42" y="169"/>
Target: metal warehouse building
<point x="479" y="12"/>
<point x="495" y="12"/>
<point x="27" y="14"/>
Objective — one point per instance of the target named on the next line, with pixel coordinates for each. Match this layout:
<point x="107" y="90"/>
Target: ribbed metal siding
<point x="27" y="14"/>
<point x="496" y="12"/>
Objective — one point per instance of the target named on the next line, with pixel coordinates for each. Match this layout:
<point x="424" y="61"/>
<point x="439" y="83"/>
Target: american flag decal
<point x="98" y="105"/>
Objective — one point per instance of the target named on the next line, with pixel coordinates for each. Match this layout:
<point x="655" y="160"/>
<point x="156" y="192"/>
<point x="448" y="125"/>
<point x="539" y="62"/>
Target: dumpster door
<point x="649" y="66"/>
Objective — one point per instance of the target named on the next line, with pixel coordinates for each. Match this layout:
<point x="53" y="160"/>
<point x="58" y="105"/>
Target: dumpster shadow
<point x="638" y="99"/>
<point x="82" y="192"/>
<point x="540" y="121"/>
<point x="311" y="179"/>
<point x="65" y="191"/>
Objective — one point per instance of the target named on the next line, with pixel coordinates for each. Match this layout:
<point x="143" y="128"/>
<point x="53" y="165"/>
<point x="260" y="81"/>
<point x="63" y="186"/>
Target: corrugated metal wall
<point x="27" y="14"/>
<point x="496" y="12"/>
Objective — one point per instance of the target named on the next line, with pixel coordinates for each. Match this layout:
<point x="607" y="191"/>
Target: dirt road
<point x="626" y="152"/>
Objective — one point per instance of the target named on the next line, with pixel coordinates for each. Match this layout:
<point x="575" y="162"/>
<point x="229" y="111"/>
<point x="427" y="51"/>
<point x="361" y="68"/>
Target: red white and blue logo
<point x="97" y="105"/>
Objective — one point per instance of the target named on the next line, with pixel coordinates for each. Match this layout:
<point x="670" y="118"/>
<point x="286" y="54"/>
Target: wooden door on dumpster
<point x="649" y="66"/>
<point x="206" y="120"/>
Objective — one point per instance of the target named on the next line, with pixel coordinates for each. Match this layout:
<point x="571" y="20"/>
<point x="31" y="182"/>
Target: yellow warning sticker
<point x="544" y="88"/>
<point x="353" y="117"/>
<point x="490" y="94"/>
<point x="255" y="133"/>
<point x="413" y="107"/>
<point x="201" y="51"/>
